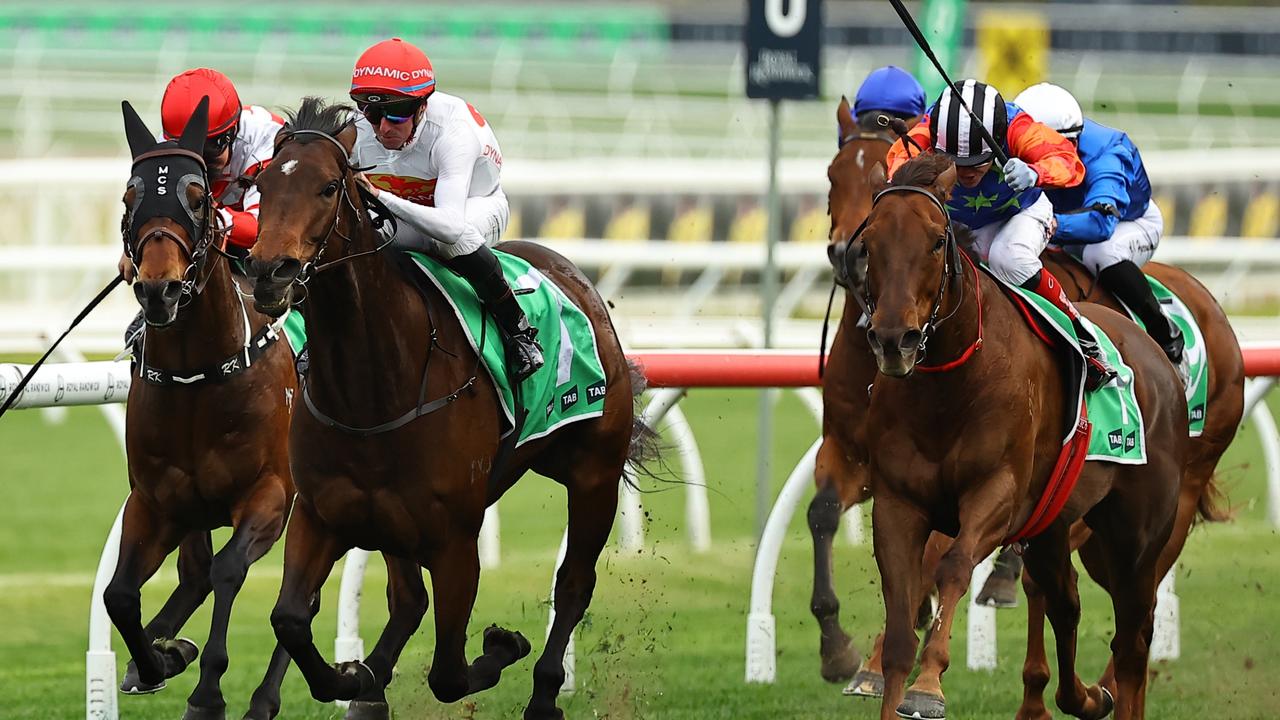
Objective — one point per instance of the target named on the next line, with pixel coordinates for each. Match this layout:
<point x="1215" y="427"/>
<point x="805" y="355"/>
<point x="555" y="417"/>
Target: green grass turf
<point x="664" y="637"/>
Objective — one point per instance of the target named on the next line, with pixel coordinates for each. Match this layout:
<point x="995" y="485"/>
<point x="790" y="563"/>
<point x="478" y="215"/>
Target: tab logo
<point x="595" y="393"/>
<point x="1115" y="438"/>
<point x="551" y="407"/>
<point x="569" y="398"/>
<point x="1131" y="441"/>
<point x="1197" y="413"/>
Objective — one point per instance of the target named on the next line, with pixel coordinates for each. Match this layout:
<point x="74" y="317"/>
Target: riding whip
<point x="102" y="294"/>
<point x="928" y="51"/>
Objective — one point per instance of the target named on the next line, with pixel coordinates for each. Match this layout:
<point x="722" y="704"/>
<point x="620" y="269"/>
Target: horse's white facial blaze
<point x="861" y="159"/>
<point x="292" y="165"/>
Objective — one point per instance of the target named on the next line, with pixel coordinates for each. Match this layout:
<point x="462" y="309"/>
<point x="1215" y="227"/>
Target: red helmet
<point x="393" y="67"/>
<point x="185" y="92"/>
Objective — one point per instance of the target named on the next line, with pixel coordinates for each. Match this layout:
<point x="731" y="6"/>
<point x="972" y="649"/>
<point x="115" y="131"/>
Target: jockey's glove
<point x="1019" y="176"/>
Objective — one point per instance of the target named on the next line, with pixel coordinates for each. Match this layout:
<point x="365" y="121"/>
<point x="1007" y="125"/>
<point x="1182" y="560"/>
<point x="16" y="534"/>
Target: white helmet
<point x="1049" y="104"/>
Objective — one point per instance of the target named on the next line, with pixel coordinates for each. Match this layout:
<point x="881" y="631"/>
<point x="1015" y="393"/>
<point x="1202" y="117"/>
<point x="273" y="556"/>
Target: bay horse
<point x="418" y="492"/>
<point x="965" y="446"/>
<point x="207" y="424"/>
<point x="841" y="477"/>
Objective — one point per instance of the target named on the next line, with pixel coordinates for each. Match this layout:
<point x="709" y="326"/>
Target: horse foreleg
<point x="406" y="605"/>
<point x="1035" y="668"/>
<point x="260" y="522"/>
<point x="839" y="656"/>
<point x="591" y="513"/>
<point x="310" y="552"/>
<point x="1048" y="560"/>
<point x="146" y="540"/>
<point x="265" y="703"/>
<point x="195" y="555"/>
<point x="900" y="532"/>
<point x="980" y="532"/>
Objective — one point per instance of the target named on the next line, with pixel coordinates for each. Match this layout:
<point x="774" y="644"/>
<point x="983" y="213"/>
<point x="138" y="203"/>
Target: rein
<point x="311" y="268"/>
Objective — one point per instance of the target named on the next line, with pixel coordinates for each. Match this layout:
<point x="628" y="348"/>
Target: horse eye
<point x="331" y="188"/>
<point x="938" y="245"/>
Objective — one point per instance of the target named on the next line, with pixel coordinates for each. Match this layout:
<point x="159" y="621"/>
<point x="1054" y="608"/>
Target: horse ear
<point x="140" y="138"/>
<point x="944" y="183"/>
<point x="347" y="136"/>
<point x="876" y="178"/>
<point x="844" y="118"/>
<point x="197" y="128"/>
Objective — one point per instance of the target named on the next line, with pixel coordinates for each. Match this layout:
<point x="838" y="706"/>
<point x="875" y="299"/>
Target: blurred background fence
<point x="625" y="126"/>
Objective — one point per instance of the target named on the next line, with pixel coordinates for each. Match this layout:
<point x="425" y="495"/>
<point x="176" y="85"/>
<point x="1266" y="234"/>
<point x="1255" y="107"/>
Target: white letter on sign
<point x="785" y="24"/>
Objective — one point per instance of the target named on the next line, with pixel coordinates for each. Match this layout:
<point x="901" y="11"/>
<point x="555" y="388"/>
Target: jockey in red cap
<point x="439" y="163"/>
<point x="240" y="142"/>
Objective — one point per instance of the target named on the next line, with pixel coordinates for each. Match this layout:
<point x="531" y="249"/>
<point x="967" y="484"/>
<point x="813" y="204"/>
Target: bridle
<point x="383" y="214"/>
<point x="952" y="271"/>
<point x="196" y="275"/>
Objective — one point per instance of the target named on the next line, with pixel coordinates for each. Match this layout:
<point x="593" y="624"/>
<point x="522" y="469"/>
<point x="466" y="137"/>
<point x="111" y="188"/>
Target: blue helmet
<point x="892" y="90"/>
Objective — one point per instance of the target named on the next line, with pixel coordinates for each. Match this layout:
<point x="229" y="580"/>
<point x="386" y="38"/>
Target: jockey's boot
<point x="481" y="269"/>
<point x="1127" y="282"/>
<point x="1097" y="371"/>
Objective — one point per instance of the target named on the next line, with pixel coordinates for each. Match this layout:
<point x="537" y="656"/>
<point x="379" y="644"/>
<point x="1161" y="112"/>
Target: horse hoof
<point x="999" y="592"/>
<point x="178" y="654"/>
<point x="842" y="664"/>
<point x="368" y="710"/>
<point x="195" y="712"/>
<point x="866" y="684"/>
<point x="1108" y="702"/>
<point x="917" y="705"/>
<point x="132" y="684"/>
<point x="357" y="673"/>
<point x="499" y="641"/>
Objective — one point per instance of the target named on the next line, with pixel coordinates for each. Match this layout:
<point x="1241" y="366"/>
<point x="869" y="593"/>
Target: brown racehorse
<point x="208" y="422"/>
<point x="967" y="449"/>
<point x="417" y="493"/>
<point x="841" y="472"/>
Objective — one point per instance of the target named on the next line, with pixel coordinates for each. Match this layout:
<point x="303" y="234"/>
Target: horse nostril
<point x="172" y="291"/>
<point x="872" y="340"/>
<point x="286" y="270"/>
<point x="910" y="340"/>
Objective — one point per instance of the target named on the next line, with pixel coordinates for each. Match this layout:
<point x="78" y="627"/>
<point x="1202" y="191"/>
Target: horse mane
<point x="316" y="113"/>
<point x="921" y="170"/>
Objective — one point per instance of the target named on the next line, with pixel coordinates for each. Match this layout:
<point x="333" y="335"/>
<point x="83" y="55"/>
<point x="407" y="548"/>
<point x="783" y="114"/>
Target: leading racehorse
<point x="967" y="444"/>
<point x="841" y="469"/>
<point x="417" y="492"/>
<point x="207" y="425"/>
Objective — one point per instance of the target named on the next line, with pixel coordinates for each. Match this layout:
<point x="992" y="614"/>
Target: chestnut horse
<point x="208" y="422"/>
<point x="841" y="477"/>
<point x="967" y="448"/>
<point x="417" y="492"/>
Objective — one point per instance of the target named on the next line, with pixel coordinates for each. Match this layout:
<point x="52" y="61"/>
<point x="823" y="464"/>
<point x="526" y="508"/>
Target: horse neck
<point x="368" y="334"/>
<point x="208" y="329"/>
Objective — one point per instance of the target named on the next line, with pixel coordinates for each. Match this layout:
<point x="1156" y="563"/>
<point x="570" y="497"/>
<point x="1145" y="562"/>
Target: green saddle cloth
<point x="1195" y="351"/>
<point x="571" y="385"/>
<point x="1118" y="432"/>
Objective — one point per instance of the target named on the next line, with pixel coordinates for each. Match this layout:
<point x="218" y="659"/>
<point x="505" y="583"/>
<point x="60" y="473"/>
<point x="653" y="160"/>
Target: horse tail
<point x="1212" y="505"/>
<point x="645" y="449"/>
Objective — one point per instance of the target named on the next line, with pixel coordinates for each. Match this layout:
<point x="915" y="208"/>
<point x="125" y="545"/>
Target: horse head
<point x="167" y="199"/>
<point x="855" y="175"/>
<point x="305" y="191"/>
<point x="903" y="260"/>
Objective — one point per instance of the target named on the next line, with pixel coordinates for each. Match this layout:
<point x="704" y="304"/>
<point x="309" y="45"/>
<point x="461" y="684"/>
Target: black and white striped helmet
<point x="954" y="131"/>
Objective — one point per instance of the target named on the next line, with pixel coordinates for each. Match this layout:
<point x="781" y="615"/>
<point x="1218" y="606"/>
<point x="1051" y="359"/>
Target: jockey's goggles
<point x="395" y="112"/>
<point x="214" y="146"/>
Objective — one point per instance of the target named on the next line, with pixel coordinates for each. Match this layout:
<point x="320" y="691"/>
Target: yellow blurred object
<point x="630" y="222"/>
<point x="810" y="226"/>
<point x="1209" y="216"/>
<point x="693" y="223"/>
<point x="750" y="225"/>
<point x="1014" y="47"/>
<point x="515" y="226"/>
<point x="568" y="222"/>
<point x="1262" y="216"/>
<point x="1168" y="210"/>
